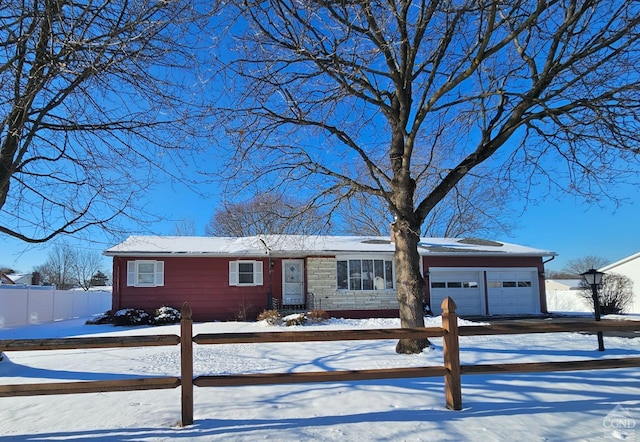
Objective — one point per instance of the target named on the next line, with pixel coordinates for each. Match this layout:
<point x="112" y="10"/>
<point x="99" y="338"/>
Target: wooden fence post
<point x="186" y="364"/>
<point x="451" y="352"/>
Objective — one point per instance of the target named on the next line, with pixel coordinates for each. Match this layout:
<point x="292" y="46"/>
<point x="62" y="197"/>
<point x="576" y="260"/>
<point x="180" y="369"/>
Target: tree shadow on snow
<point x="592" y="394"/>
<point x="9" y="369"/>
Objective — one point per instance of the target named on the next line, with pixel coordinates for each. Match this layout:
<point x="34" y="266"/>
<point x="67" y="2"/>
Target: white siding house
<point x="629" y="267"/>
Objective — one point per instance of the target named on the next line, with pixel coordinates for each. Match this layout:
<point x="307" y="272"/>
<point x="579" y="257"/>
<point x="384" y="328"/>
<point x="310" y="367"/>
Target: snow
<point x="563" y="406"/>
<point x="292" y="245"/>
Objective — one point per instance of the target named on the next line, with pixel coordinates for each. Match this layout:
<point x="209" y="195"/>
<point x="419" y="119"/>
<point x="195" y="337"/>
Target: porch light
<point x="594" y="278"/>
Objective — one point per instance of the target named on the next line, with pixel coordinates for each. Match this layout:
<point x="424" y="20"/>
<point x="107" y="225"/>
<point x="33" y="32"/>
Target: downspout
<point x="116" y="278"/>
<point x="270" y="264"/>
<point x="543" y="287"/>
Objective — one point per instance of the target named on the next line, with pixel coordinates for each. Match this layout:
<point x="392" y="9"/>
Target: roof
<point x="299" y="245"/>
<point x="14" y="278"/>
<point x="620" y="262"/>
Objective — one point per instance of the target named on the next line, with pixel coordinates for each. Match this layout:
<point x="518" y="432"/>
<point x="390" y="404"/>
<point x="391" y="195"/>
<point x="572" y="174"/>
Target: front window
<point x="145" y="273"/>
<point x="245" y="273"/>
<point x="365" y="274"/>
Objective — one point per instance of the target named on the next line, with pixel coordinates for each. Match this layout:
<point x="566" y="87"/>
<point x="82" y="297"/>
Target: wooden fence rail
<point x="55" y="388"/>
<point x="451" y="369"/>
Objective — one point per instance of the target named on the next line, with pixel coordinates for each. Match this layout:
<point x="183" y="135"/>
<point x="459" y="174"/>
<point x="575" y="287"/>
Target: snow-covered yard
<point x="566" y="406"/>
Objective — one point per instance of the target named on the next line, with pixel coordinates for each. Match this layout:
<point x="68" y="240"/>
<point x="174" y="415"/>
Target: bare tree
<point x="85" y="265"/>
<point x="59" y="268"/>
<point x="67" y="267"/>
<point x="473" y="209"/>
<point x="365" y="215"/>
<point x="538" y="92"/>
<point x="266" y="213"/>
<point x="6" y="270"/>
<point x="578" y="266"/>
<point x="184" y="227"/>
<point x="92" y="105"/>
<point x="554" y="274"/>
<point x="615" y="293"/>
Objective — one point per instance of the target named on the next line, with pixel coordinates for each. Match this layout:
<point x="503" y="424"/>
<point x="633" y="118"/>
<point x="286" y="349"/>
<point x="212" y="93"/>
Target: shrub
<point x="295" y="319"/>
<point x="103" y="318"/>
<point x="317" y="315"/>
<point x="245" y="311"/>
<point x="131" y="316"/>
<point x="615" y="293"/>
<point x="272" y="317"/>
<point x="165" y="315"/>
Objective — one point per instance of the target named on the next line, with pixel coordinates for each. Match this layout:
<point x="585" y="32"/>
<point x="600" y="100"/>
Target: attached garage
<point x="465" y="287"/>
<point x="512" y="292"/>
<point x="505" y="291"/>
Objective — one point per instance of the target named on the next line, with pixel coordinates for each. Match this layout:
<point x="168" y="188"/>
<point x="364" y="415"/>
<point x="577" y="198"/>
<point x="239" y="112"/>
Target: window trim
<point x="257" y="274"/>
<point x="133" y="273"/>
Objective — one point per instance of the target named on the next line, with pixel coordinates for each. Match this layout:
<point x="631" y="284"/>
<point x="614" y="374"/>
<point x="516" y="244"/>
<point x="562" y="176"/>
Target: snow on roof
<point x="15" y="277"/>
<point x="299" y="245"/>
<point x="611" y="266"/>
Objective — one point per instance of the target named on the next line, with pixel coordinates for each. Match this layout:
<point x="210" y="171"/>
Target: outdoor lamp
<point x="594" y="278"/>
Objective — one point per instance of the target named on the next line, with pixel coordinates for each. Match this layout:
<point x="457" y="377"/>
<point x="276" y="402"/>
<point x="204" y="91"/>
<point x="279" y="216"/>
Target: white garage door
<point x="512" y="292"/>
<point x="463" y="286"/>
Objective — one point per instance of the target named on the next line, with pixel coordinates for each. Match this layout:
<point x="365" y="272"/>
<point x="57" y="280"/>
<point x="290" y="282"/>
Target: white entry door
<point x="293" y="282"/>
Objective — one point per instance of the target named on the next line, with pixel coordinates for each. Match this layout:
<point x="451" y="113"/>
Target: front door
<point x="293" y="282"/>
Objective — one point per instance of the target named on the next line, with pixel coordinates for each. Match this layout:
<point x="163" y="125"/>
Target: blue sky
<point x="573" y="229"/>
<point x="570" y="228"/>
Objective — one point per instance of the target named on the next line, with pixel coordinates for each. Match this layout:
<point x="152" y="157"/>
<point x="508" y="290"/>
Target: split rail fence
<point x="451" y="369"/>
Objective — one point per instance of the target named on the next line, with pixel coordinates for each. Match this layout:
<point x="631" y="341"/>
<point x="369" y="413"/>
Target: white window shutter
<point x="131" y="273"/>
<point x="233" y="273"/>
<point x="159" y="273"/>
<point x="257" y="273"/>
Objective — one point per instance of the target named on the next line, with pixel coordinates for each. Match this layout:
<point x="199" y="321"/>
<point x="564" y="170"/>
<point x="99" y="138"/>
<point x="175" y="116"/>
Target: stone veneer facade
<point x="322" y="284"/>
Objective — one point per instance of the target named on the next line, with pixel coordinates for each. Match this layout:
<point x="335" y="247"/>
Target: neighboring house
<point x="629" y="267"/>
<point x="15" y="278"/>
<point x="346" y="276"/>
<point x="561" y="284"/>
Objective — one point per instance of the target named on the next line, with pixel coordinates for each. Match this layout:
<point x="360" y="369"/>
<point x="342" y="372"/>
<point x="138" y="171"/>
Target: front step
<point x="291" y="309"/>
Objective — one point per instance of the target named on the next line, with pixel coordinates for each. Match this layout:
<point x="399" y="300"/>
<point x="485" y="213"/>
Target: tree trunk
<point x="410" y="284"/>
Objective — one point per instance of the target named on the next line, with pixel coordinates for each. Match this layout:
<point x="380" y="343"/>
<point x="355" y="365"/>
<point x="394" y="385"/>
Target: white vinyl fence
<point x="38" y="304"/>
<point x="566" y="301"/>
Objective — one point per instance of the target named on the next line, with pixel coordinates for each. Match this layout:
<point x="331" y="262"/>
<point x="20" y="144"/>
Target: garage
<point x="465" y="287"/>
<point x="512" y="292"/>
<point x="508" y="291"/>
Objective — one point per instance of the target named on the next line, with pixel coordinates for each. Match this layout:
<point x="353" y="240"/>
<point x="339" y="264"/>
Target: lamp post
<point x="594" y="278"/>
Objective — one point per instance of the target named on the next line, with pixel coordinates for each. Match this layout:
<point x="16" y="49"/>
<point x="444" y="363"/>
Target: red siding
<point x="202" y="282"/>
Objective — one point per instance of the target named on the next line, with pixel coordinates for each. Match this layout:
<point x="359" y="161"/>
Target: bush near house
<point x="272" y="317"/>
<point x="318" y="315"/>
<point x="131" y="316"/>
<point x="295" y="319"/>
<point x="166" y="315"/>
